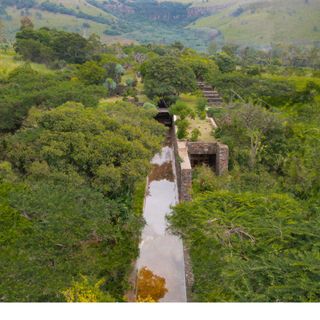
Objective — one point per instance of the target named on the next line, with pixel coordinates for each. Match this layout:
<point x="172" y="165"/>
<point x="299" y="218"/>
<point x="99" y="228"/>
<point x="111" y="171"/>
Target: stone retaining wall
<point x="183" y="167"/>
<point x="183" y="149"/>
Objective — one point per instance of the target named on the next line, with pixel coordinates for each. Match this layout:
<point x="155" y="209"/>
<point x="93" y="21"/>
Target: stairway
<point x="210" y="93"/>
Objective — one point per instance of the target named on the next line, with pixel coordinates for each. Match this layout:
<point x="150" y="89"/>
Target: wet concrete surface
<point x="160" y="251"/>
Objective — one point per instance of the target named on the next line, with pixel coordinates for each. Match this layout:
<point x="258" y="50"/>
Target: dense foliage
<point x="48" y="45"/>
<point x="265" y="91"/>
<point x="25" y="88"/>
<point x="165" y="78"/>
<point x="109" y="146"/>
<point x="251" y="247"/>
<point x="51" y="234"/>
<point x="58" y="223"/>
<point x="253" y="233"/>
<point x="71" y="174"/>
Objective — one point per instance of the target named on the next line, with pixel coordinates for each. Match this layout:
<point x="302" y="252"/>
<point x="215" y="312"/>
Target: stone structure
<point x="183" y="167"/>
<point x="210" y="93"/>
<point x="214" y="154"/>
<point x="219" y="150"/>
<point x="164" y="117"/>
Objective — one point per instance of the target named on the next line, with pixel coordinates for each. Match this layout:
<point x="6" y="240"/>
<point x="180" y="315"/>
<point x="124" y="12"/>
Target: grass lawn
<point x="204" y="127"/>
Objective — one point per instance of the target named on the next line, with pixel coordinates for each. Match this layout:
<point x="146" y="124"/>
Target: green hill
<point x="265" y="22"/>
<point x="70" y="15"/>
<point x="195" y="23"/>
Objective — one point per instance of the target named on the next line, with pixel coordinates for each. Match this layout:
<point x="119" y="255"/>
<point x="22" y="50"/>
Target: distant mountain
<point x="196" y="24"/>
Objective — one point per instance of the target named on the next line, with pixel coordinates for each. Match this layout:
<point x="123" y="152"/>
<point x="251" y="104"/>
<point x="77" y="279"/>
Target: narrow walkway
<point x="160" y="251"/>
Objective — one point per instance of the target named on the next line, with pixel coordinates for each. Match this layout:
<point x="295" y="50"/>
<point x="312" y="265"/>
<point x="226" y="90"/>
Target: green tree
<point x="183" y="126"/>
<point x="68" y="219"/>
<point x="91" y="143"/>
<point x="225" y="62"/>
<point x="195" y="134"/>
<point x="63" y="46"/>
<point x="25" y="88"/>
<point x="165" y="78"/>
<point x="252" y="134"/>
<point x="91" y="73"/>
<point x="203" y="67"/>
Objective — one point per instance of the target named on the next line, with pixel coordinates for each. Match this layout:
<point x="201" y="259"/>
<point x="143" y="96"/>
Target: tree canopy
<point x="165" y="78"/>
<point x="26" y="88"/>
<point x="251" y="247"/>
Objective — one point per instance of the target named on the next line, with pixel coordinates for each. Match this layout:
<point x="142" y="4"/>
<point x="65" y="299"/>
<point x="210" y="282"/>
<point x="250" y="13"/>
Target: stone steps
<point x="210" y="93"/>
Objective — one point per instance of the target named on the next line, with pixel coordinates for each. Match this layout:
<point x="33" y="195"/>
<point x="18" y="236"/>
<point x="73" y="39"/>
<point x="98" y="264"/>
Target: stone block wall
<point x="183" y="167"/>
<point x="202" y="148"/>
<point x="183" y="149"/>
<point x="222" y="159"/>
<point x="220" y="150"/>
<point x="186" y="185"/>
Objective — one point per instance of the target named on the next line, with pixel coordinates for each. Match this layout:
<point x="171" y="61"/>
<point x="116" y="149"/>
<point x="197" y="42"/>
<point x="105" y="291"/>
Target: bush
<point x="150" y="106"/>
<point x="249" y="88"/>
<point x="183" y="126"/>
<point x="225" y="62"/>
<point x="91" y="73"/>
<point x="182" y="110"/>
<point x="26" y="88"/>
<point x="201" y="106"/>
<point x="195" y="134"/>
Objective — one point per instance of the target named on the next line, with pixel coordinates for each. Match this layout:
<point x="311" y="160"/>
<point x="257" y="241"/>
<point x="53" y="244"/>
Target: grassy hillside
<point x="9" y="62"/>
<point x="195" y="23"/>
<point x="40" y="17"/>
<point x="262" y="23"/>
<point x="61" y="21"/>
<point x="112" y="24"/>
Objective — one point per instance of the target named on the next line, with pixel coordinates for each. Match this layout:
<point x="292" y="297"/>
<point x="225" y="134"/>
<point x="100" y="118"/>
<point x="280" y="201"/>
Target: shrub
<point x="183" y="126"/>
<point x="195" y="134"/>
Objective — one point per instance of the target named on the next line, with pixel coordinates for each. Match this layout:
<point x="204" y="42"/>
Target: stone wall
<point x="220" y="150"/>
<point x="202" y="148"/>
<point x="183" y="149"/>
<point x="222" y="159"/>
<point x="183" y="167"/>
